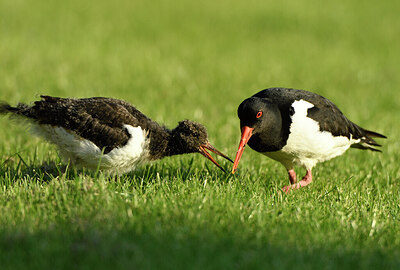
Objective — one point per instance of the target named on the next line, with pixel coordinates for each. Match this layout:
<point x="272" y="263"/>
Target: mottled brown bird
<point x="110" y="132"/>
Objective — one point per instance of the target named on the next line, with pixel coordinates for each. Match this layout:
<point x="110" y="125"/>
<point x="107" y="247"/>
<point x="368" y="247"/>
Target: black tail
<point x="364" y="146"/>
<point x="367" y="142"/>
<point x="370" y="133"/>
<point x="20" y="109"/>
<point x="5" y="107"/>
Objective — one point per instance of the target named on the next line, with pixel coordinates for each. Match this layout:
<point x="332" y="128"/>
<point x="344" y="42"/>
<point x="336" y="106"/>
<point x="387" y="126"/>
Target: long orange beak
<point x="246" y="134"/>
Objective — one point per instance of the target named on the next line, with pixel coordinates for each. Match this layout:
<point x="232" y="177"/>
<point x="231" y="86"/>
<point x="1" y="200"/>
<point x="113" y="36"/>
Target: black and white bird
<point x="297" y="127"/>
<point x="109" y="132"/>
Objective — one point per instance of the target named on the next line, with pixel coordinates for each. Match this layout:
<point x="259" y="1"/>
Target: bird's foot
<point x="307" y="179"/>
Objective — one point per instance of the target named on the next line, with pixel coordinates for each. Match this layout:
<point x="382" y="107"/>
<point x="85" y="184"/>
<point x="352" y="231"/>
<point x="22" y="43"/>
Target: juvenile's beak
<point x="246" y="134"/>
<point x="207" y="146"/>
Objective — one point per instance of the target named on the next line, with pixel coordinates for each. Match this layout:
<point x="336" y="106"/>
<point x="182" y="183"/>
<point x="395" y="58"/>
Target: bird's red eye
<point x="259" y="114"/>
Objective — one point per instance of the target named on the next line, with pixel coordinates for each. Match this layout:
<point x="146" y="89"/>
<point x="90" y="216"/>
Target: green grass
<point x="199" y="60"/>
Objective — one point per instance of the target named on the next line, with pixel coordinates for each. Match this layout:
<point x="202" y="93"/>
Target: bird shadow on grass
<point x="183" y="170"/>
<point x="14" y="168"/>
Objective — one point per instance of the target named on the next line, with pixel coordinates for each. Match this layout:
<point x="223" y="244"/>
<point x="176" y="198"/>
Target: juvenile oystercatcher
<point x="297" y="127"/>
<point x="110" y="132"/>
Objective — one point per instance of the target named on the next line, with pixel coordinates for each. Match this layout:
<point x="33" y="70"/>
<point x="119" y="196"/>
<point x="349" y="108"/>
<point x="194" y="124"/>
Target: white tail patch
<point x="85" y="153"/>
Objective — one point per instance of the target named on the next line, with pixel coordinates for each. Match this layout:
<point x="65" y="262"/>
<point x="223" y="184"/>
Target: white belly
<point x="307" y="145"/>
<point x="84" y="153"/>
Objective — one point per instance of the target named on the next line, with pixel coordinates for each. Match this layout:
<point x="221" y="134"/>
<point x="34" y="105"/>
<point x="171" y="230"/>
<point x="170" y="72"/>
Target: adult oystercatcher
<point x="110" y="132"/>
<point x="297" y="127"/>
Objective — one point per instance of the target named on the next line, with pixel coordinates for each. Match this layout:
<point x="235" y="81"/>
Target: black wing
<point x="327" y="114"/>
<point x="97" y="119"/>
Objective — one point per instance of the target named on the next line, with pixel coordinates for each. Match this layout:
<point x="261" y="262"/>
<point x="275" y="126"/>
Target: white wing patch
<point x="84" y="153"/>
<point x="133" y="153"/>
<point x="307" y="145"/>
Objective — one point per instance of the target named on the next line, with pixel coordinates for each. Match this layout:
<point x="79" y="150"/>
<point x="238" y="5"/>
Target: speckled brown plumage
<point x="97" y="119"/>
<point x="103" y="122"/>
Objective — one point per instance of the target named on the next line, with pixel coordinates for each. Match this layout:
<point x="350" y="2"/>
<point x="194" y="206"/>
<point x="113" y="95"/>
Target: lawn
<point x="198" y="60"/>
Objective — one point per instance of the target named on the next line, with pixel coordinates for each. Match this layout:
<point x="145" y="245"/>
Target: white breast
<point x="84" y="153"/>
<point x="307" y="145"/>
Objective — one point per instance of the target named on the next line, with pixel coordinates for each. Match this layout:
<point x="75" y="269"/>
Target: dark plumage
<point x="298" y="127"/>
<point x="107" y="123"/>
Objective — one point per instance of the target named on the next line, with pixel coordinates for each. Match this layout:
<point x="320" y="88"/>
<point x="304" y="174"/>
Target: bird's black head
<point x="189" y="136"/>
<point x="192" y="137"/>
<point x="260" y="120"/>
<point x="259" y="114"/>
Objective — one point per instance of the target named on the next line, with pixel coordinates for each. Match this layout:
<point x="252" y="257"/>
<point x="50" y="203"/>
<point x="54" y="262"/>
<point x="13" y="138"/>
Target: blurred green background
<point x="198" y="60"/>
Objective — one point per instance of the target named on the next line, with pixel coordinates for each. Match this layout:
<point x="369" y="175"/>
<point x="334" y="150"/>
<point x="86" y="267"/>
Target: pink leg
<point x="292" y="176"/>
<point x="307" y="179"/>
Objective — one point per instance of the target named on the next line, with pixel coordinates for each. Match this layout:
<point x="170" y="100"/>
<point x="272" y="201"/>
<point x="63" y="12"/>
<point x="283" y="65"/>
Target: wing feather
<point x="98" y="119"/>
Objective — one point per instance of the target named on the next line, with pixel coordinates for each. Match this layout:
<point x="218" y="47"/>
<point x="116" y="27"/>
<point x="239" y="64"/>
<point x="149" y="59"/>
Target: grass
<point x="199" y="60"/>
